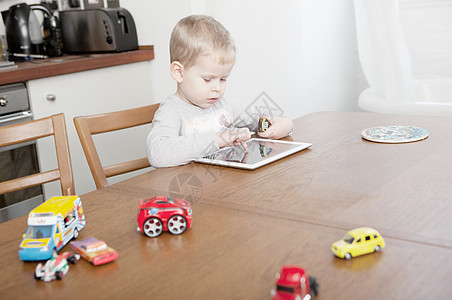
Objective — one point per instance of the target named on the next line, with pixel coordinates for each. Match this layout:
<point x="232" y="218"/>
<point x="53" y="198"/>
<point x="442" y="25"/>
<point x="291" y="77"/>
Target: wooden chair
<point x="23" y="132"/>
<point x="87" y="126"/>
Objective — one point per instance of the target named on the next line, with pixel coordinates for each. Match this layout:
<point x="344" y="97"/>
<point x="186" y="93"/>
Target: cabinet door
<point x="86" y="93"/>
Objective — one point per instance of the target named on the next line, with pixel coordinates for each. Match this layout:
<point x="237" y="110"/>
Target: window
<point x="70" y="218"/>
<point x="283" y="288"/>
<point x="39" y="232"/>
<point x="368" y="238"/>
<point x="348" y="239"/>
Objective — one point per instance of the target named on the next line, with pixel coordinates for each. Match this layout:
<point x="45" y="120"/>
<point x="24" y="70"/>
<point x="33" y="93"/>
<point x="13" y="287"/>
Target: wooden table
<point x="247" y="224"/>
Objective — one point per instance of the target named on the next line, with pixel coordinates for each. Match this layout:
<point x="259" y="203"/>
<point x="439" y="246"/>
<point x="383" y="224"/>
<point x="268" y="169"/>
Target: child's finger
<point x="244" y="145"/>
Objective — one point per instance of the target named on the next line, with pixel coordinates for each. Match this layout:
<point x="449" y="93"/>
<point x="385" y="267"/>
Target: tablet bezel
<point x="300" y="146"/>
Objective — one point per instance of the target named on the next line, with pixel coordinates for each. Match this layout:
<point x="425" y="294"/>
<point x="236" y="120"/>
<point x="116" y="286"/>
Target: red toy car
<point x="162" y="213"/>
<point x="294" y="283"/>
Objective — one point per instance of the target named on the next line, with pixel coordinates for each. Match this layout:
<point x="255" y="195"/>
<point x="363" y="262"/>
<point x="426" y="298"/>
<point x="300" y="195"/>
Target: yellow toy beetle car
<point x="357" y="242"/>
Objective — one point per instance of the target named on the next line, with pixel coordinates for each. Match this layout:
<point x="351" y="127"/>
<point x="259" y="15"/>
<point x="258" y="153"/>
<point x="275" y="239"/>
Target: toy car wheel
<point x="177" y="224"/>
<point x="347" y="256"/>
<point x="152" y="227"/>
<point x="75" y="236"/>
<point x="377" y="248"/>
<point x="313" y="286"/>
<point x="58" y="274"/>
<point x="72" y="259"/>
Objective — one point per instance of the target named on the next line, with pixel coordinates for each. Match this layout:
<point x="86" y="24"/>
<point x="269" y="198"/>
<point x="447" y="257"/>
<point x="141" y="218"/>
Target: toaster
<point x="98" y="30"/>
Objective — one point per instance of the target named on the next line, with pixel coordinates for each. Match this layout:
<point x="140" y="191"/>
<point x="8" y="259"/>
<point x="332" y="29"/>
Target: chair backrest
<point x="87" y="126"/>
<point x="23" y="132"/>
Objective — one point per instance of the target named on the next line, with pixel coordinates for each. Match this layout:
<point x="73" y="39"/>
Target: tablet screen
<point x="260" y="152"/>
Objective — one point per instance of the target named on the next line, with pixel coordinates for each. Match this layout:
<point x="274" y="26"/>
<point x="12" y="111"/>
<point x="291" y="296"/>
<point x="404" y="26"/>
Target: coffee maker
<point x="23" y="32"/>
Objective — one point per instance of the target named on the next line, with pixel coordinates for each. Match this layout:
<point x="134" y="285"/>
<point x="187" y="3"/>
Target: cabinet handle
<point x="3" y="101"/>
<point x="51" y="97"/>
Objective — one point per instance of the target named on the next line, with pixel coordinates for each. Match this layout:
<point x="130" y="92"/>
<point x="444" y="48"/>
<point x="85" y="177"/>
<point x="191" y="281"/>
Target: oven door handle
<point x="15" y="117"/>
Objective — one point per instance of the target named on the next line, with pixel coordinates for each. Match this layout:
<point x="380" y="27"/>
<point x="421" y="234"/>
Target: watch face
<point x="263" y="124"/>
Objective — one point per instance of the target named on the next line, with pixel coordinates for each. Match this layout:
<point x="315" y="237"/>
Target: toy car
<point x="294" y="283"/>
<point x="51" y="226"/>
<point x="56" y="267"/>
<point x="263" y="124"/>
<point x="162" y="213"/>
<point x="95" y="251"/>
<point x="357" y="242"/>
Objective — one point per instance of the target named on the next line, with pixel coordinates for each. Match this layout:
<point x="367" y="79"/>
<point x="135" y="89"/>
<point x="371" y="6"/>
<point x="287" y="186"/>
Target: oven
<point x="17" y="160"/>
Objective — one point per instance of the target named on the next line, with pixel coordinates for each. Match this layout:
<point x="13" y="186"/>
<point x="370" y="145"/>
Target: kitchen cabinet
<point x="85" y="93"/>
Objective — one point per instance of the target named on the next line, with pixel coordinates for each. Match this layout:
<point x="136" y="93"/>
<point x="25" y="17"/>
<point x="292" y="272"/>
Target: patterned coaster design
<point x="394" y="134"/>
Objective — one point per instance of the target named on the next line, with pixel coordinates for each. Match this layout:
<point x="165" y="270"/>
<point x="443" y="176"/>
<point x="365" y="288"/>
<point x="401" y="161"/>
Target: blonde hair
<point x="197" y="35"/>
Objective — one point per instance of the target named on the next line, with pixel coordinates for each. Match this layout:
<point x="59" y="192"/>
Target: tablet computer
<point x="260" y="152"/>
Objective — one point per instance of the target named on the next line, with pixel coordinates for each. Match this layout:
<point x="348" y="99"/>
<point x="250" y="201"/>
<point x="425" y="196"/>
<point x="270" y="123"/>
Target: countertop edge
<point x="73" y="63"/>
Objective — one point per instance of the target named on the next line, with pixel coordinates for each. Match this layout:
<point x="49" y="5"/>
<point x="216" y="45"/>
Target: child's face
<point x="204" y="83"/>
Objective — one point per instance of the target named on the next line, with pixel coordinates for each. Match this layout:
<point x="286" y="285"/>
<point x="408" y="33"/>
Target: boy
<point x="197" y="120"/>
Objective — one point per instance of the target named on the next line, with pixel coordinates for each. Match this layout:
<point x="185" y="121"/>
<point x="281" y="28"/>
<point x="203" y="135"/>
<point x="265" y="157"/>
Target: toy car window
<point x="375" y="236"/>
<point x="358" y="241"/>
<point x="368" y="238"/>
<point x="39" y="232"/>
<point x="348" y="239"/>
<point x="70" y="218"/>
<point x="161" y="202"/>
<point x="97" y="248"/>
<point x="285" y="289"/>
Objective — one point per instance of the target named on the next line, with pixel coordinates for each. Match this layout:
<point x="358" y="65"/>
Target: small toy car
<point x="162" y="213"/>
<point x="56" y="267"/>
<point x="294" y="283"/>
<point x="263" y="124"/>
<point x="95" y="251"/>
<point x="357" y="242"/>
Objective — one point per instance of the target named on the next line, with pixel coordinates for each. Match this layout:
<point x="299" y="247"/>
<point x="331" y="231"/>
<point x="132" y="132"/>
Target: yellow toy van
<point x="51" y="225"/>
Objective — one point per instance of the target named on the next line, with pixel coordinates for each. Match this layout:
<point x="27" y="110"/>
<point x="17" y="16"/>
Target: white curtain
<point x="382" y="49"/>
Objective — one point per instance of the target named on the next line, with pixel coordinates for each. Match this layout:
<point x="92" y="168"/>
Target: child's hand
<point x="281" y="127"/>
<point x="234" y="137"/>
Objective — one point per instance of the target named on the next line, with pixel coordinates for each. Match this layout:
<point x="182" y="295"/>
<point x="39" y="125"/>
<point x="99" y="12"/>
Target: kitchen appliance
<point x="18" y="160"/>
<point x="98" y="30"/>
<point x="23" y="31"/>
<point x="93" y="4"/>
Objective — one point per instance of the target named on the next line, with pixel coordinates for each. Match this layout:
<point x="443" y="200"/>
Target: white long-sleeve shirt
<point x="182" y="132"/>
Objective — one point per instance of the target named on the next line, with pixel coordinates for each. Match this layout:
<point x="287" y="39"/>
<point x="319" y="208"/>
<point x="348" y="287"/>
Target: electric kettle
<point x="23" y="31"/>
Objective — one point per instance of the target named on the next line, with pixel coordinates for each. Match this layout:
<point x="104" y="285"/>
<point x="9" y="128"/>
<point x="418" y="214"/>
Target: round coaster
<point x="394" y="134"/>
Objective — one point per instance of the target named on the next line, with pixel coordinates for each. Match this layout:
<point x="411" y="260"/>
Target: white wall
<point x="301" y="53"/>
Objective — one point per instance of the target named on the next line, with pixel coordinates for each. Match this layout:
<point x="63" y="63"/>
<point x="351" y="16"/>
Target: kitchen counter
<point x="41" y="68"/>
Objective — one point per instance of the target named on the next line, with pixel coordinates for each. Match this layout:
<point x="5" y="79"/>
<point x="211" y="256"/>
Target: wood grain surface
<point x="247" y="224"/>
